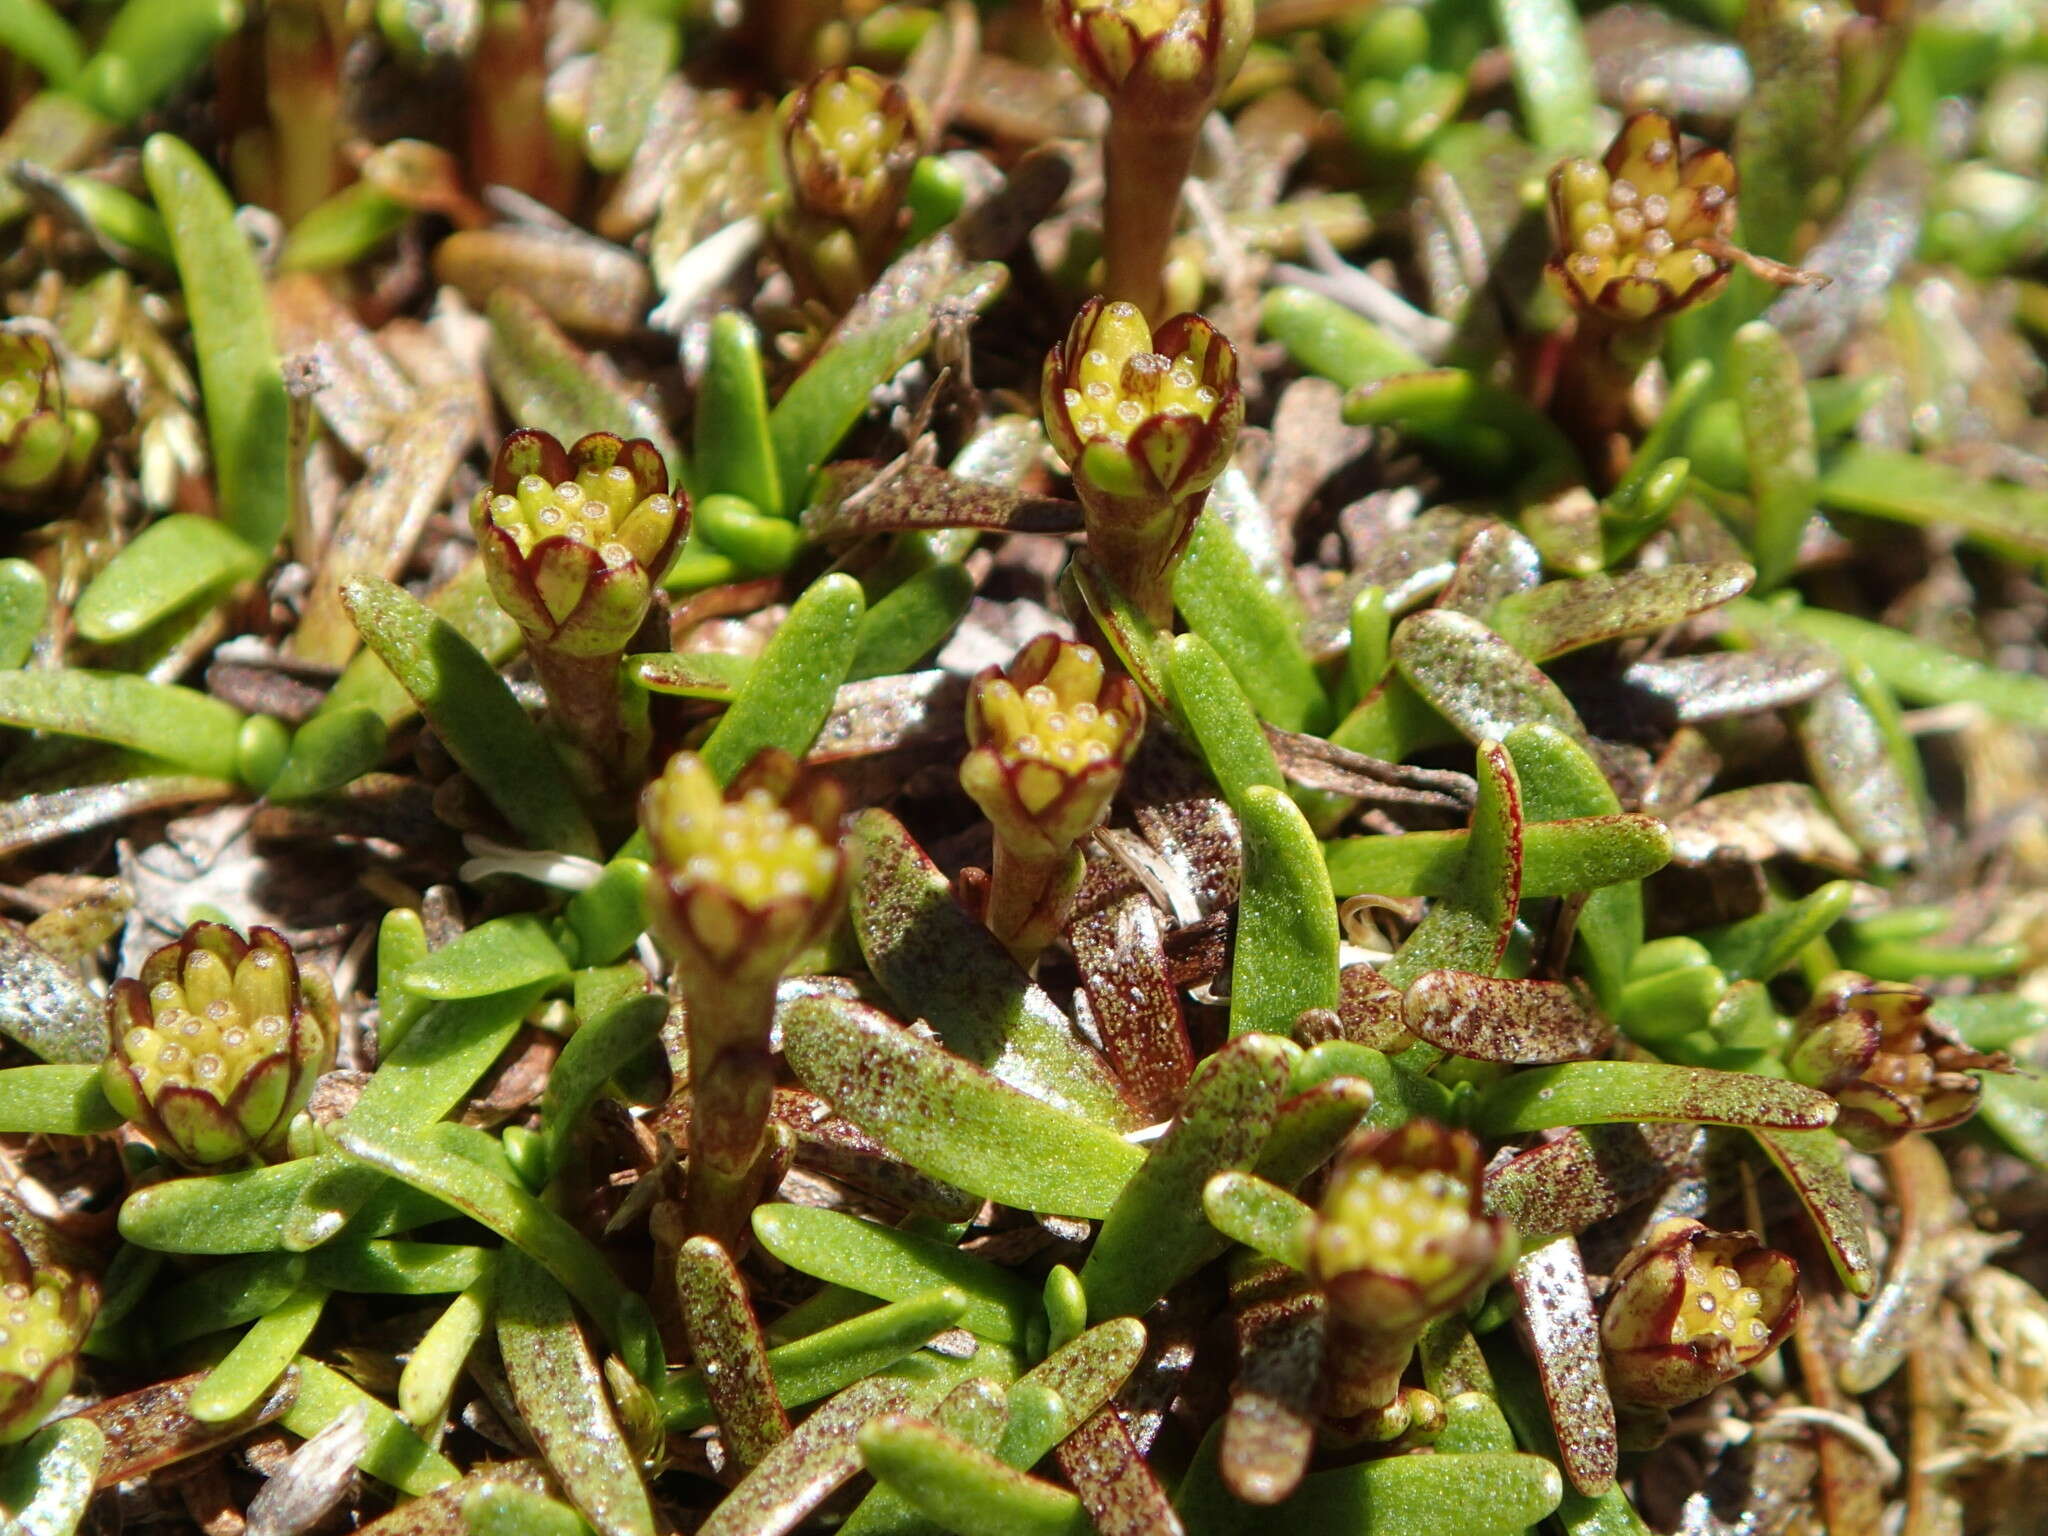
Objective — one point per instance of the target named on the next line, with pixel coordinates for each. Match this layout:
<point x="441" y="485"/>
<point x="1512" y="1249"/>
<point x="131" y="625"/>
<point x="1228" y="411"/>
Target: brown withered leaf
<point x="1729" y="683"/>
<point x="1563" y="1334"/>
<point x="152" y="1428"/>
<point x="1761" y="822"/>
<point x="861" y="497"/>
<point x="1129" y="991"/>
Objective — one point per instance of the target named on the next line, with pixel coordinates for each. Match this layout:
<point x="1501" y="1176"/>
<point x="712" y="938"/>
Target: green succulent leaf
<point x="1610" y="1092"/>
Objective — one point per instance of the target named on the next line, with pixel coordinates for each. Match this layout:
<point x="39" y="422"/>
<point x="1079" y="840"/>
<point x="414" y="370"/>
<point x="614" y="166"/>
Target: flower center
<point x="1718" y="1300"/>
<point x="36" y="1327"/>
<point x="752" y="848"/>
<point x="1404" y="1222"/>
<point x="215" y="1028"/>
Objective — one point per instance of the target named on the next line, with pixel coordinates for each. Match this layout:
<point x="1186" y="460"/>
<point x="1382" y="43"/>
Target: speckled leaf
<point x="1521" y="1402"/>
<point x="43" y="1004"/>
<point x="882" y="1261"/>
<point x="1562" y="616"/>
<point x="942" y="966"/>
<point x="1762" y="821"/>
<point x="1155" y="1235"/>
<point x="1864" y="766"/>
<point x="548" y="382"/>
<point x="963" y="1488"/>
<point x="1496" y="1019"/>
<point x="48" y="1481"/>
<point x="1719" y="687"/>
<point x="1129" y="991"/>
<point x="948" y="1117"/>
<point x="1563" y="1186"/>
<point x="857" y="498"/>
<point x="1269" y="1428"/>
<point x="1311" y="1125"/>
<point x="1563" y="1334"/>
<point x="715" y="676"/>
<point x="1777" y="432"/>
<point x="1611" y="1092"/>
<point x="1476" y="680"/>
<point x="1812" y="1163"/>
<point x="562" y="1401"/>
<point x="1130" y="634"/>
<point x="1076" y="1380"/>
<point x="440" y="1513"/>
<point x="505" y="1509"/>
<point x="1759" y="947"/>
<point x="831" y="1359"/>
<point x="1117" y="1489"/>
<point x="1924" y="672"/>
<point x="150" y="1428"/>
<point x="1468" y="928"/>
<point x="804" y="1470"/>
<point x="719" y="1322"/>
<point x="1285" y="959"/>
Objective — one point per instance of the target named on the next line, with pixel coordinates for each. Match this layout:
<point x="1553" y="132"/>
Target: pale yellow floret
<point x="751" y="849"/>
<point x="1406" y="1223"/>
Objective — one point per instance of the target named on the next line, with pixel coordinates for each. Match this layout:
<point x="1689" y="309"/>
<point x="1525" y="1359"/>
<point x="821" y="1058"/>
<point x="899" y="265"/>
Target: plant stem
<point x="732" y="1081"/>
<point x="585" y="710"/>
<point x="1146" y="164"/>
<point x="1140" y="561"/>
<point x="1028" y="899"/>
<point x="1362" y="1367"/>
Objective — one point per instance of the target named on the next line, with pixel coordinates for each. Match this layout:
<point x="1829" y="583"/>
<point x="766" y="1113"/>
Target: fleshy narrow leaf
<point x="1252" y="630"/>
<point x="174" y="561"/>
<point x="601" y="1046"/>
<point x="858" y="498"/>
<point x="1563" y="616"/>
<point x="1155" y="1235"/>
<point x="241" y="379"/>
<point x="1285" y="958"/>
<point x="392" y="1453"/>
<point x="498" y="956"/>
<point x="1611" y="1092"/>
<point x="1117" y="1489"/>
<point x="734" y="448"/>
<point x="1865" y="766"/>
<point x="1072" y="1383"/>
<point x="831" y="1359"/>
<point x="1493" y="1019"/>
<point x="1759" y="947"/>
<point x="948" y="1117"/>
<point x="789" y="689"/>
<point x="1269" y="1428"/>
<point x="1476" y="1495"/>
<point x="1558" y="858"/>
<point x="962" y="1488"/>
<point x="48" y="1482"/>
<point x="1468" y="927"/>
<point x="1225" y="729"/>
<point x="1912" y="488"/>
<point x="1264" y="1217"/>
<point x="561" y="1397"/>
<point x="1558" y="1321"/>
<point x="260" y="1357"/>
<point x="1129" y="990"/>
<point x="185" y="730"/>
<point x="1777" y="432"/>
<point x="474" y="713"/>
<point x="1476" y="680"/>
<point x="516" y="1216"/>
<point x="804" y="1470"/>
<point x="942" y="966"/>
<point x="150" y="1428"/>
<point x="1812" y="1163"/>
<point x="54" y="1101"/>
<point x="977" y="1411"/>
<point x="867" y="1256"/>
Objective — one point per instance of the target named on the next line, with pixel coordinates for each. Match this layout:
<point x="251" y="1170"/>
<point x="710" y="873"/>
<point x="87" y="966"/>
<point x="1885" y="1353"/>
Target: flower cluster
<point x="1692" y="1308"/>
<point x="219" y="1044"/>
<point x="1166" y="59"/>
<point x="1891" y="1067"/>
<point x="1145" y="420"/>
<point x="45" y="1313"/>
<point x="850" y="140"/>
<point x="1642" y="232"/>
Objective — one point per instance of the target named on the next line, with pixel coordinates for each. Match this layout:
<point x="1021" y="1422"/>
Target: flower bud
<point x="1692" y="1308"/>
<point x="574" y="542"/>
<point x="219" y="1044"/>
<point x="1166" y="60"/>
<point x="45" y="1313"/>
<point x="1890" y="1066"/>
<point x="1048" y="742"/>
<point x="1401" y="1238"/>
<point x="42" y="440"/>
<point x="849" y="141"/>
<point x="1643" y="232"/>
<point x="748" y="877"/>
